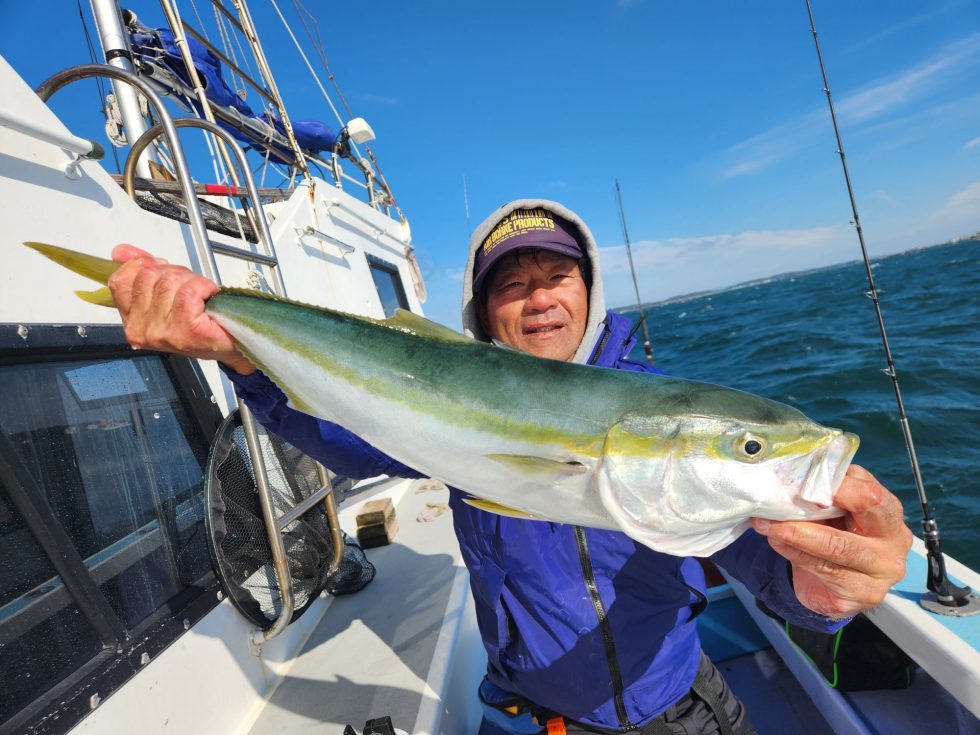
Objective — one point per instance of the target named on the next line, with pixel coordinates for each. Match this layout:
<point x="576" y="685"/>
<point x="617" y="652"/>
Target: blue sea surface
<point x="811" y="340"/>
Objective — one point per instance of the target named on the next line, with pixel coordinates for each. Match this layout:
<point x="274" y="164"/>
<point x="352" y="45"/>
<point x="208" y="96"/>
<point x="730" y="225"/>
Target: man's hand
<point x="845" y="565"/>
<point x="162" y="308"/>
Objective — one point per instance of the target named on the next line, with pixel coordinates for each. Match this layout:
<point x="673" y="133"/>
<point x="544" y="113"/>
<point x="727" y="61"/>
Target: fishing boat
<point x="167" y="566"/>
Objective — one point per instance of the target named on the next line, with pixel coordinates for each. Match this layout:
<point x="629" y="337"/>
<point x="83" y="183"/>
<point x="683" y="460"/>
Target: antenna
<point x="647" y="348"/>
<point x="943" y="597"/>
<point x="466" y="207"/>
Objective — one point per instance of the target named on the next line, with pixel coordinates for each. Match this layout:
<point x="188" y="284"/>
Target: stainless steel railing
<point x="205" y="253"/>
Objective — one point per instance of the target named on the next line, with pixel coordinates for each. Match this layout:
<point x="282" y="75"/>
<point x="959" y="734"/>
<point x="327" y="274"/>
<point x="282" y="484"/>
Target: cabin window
<point x="389" y="285"/>
<point x="101" y="516"/>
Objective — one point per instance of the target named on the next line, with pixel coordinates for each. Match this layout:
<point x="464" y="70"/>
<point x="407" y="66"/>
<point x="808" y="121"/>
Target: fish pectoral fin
<point x="538" y="466"/>
<point x="419" y="325"/>
<point x="500" y="510"/>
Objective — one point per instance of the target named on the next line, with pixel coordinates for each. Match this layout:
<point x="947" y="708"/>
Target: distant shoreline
<point x="789" y="274"/>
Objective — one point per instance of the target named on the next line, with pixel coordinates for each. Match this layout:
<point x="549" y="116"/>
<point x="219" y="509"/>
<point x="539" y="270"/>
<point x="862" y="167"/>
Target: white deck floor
<point x="386" y="650"/>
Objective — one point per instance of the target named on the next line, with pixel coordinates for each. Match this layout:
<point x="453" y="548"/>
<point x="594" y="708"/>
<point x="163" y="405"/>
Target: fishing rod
<point x="950" y="599"/>
<point x="647" y="347"/>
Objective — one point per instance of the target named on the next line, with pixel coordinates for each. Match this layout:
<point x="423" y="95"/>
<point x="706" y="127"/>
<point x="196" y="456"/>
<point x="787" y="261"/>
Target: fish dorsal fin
<point x="500" y="510"/>
<point x="540" y="467"/>
<point x="411" y="322"/>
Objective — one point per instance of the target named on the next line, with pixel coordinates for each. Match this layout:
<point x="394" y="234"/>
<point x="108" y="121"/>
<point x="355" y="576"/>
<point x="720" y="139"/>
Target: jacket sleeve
<point x="332" y="445"/>
<point x="769" y="576"/>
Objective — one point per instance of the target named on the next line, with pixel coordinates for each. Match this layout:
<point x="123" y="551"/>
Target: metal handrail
<point x="84" y="71"/>
<point x="262" y="227"/>
<point x="205" y="248"/>
<point x="273" y="523"/>
<point x="81" y="147"/>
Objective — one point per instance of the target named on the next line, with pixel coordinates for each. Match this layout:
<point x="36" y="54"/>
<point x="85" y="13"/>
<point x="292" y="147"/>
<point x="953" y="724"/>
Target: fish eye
<point x="751" y="447"/>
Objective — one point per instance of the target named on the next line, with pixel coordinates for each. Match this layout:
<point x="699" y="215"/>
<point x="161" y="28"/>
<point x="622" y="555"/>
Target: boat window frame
<point x="67" y="702"/>
<point x="380" y="264"/>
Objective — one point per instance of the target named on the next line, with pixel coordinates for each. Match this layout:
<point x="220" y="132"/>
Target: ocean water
<point x="811" y="340"/>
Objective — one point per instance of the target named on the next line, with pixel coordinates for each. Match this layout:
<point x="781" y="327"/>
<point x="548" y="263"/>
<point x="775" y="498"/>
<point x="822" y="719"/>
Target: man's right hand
<point x="162" y="308"/>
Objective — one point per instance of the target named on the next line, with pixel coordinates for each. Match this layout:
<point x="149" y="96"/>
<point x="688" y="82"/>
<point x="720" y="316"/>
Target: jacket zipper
<point x="605" y="629"/>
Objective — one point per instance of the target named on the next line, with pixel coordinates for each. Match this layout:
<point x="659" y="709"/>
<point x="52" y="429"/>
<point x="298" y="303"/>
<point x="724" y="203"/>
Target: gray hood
<point x="597" y="304"/>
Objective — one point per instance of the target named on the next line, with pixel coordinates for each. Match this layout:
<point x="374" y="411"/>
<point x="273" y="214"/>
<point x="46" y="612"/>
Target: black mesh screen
<point x="237" y="535"/>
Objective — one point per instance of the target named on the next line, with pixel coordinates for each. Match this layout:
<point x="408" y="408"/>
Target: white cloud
<point x="679" y="265"/>
<point x="725" y="246"/>
<point x="972" y="143"/>
<point x="884" y="96"/>
<point x="454" y="275"/>
<point x="963" y="206"/>
<point x="916" y="20"/>
<point x="867" y="105"/>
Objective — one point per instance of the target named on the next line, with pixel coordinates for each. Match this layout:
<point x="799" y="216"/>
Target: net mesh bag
<point x="237" y="536"/>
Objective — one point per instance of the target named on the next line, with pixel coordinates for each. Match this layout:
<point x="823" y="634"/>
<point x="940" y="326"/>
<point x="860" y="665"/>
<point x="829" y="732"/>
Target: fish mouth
<point x="840" y="453"/>
<point x="828" y="468"/>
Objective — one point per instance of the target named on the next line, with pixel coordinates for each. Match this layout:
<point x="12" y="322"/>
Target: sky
<point x="711" y="115"/>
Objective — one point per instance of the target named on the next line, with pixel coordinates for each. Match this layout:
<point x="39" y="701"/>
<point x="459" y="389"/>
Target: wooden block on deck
<point x="377" y="534"/>
<point x="376" y="511"/>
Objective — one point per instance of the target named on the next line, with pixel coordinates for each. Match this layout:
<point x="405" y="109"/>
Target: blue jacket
<point x="583" y="621"/>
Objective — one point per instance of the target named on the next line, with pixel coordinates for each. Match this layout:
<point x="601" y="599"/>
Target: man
<point x="579" y="624"/>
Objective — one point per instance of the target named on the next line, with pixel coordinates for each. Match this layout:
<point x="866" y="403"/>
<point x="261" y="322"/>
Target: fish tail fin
<point x="99" y="297"/>
<point x="97" y="269"/>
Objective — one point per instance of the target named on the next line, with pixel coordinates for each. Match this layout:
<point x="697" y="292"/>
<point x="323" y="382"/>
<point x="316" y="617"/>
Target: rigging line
<point x="180" y="39"/>
<point x="220" y="20"/>
<point x="247" y="25"/>
<point x="938" y="582"/>
<point x="306" y="61"/>
<point x="324" y="91"/>
<point x="317" y="44"/>
<point x="226" y="46"/>
<point x="466" y="207"/>
<point x="647" y="347"/>
<point x="103" y="103"/>
<point x="200" y="20"/>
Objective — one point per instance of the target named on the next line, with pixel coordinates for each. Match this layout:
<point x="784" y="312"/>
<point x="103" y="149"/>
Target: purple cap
<point x="525" y="228"/>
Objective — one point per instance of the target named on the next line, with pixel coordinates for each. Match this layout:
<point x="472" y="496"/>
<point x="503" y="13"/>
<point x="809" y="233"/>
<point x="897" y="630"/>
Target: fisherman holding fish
<point x="586" y="629"/>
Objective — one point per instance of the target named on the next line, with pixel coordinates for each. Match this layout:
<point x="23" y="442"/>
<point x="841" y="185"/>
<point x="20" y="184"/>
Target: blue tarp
<point x="313" y="136"/>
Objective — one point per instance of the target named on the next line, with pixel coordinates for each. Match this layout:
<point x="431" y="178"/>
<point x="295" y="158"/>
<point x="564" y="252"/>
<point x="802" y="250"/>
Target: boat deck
<point x="385" y="650"/>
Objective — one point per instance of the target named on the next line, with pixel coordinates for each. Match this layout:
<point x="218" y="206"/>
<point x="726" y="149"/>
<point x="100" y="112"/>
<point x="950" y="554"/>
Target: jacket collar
<point x="614" y="341"/>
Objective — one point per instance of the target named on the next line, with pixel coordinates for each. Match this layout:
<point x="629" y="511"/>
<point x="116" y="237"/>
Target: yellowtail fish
<point x="677" y="465"/>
